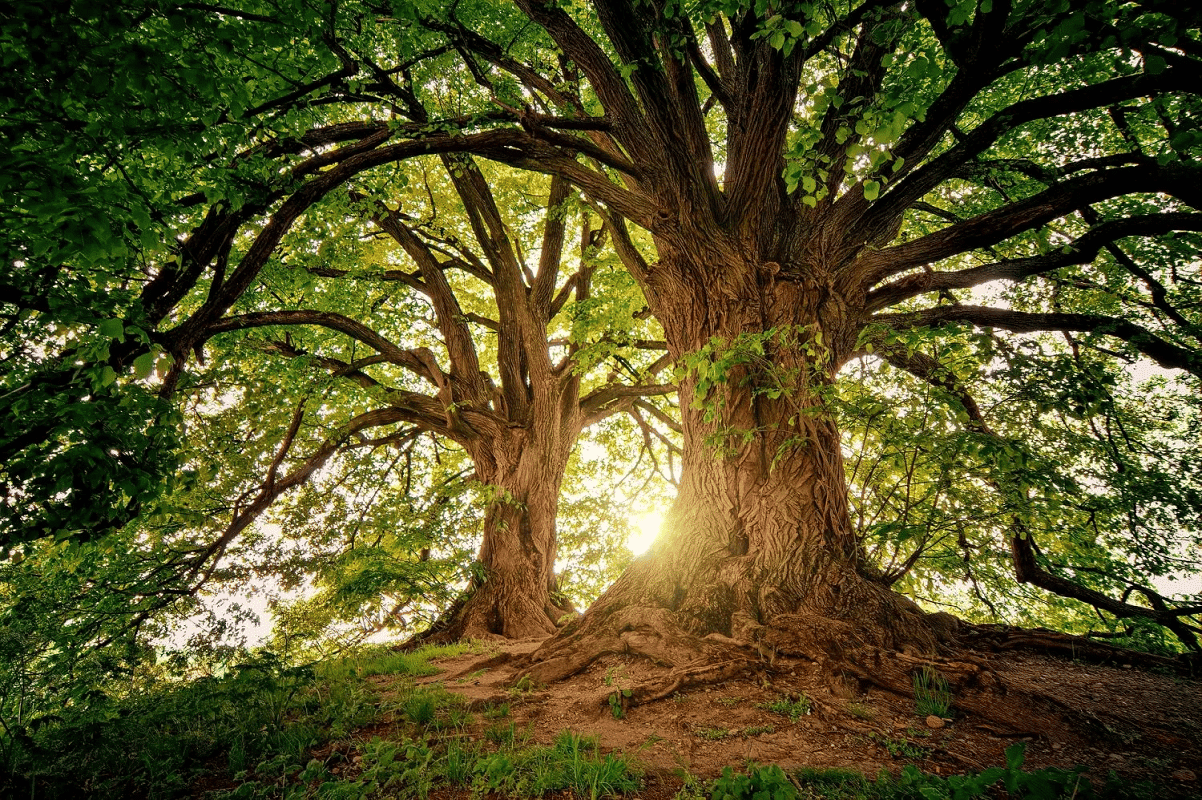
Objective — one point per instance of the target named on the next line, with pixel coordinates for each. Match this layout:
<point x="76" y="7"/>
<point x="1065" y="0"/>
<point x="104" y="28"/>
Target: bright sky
<point x="644" y="527"/>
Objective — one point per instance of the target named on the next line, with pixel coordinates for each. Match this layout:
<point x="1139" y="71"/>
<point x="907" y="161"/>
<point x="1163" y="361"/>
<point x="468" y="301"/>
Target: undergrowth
<point x="156" y="739"/>
<point x="773" y="783"/>
<point x="266" y="729"/>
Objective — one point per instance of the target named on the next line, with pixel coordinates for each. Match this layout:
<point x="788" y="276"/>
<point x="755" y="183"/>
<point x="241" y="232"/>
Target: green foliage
<point x="712" y="734"/>
<point x="617" y="705"/>
<point x="760" y="783"/>
<point x="912" y="784"/>
<point x="900" y="747"/>
<point x="792" y="707"/>
<point x="574" y="762"/>
<point x="146" y="735"/>
<point x="932" y="695"/>
<point x="1083" y="464"/>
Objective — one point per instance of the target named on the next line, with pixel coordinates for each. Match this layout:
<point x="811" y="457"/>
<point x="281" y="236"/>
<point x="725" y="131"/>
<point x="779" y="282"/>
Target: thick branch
<point x="995" y="226"/>
<point x="612" y="399"/>
<point x="1028" y="570"/>
<point x="1164" y="353"/>
<point x="1082" y="251"/>
<point x="884" y="212"/>
<point x="419" y="361"/>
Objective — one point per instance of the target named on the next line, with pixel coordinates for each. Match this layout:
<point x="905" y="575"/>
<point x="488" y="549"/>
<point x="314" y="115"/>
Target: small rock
<point x="1056" y="745"/>
<point x="935" y="722"/>
<point x="1185" y="776"/>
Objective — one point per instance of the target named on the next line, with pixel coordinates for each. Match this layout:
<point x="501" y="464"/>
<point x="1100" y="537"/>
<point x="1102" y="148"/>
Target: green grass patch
<point x="383" y="660"/>
<point x="932" y="695"/>
<point x="794" y="707"/>
<point x="773" y="783"/>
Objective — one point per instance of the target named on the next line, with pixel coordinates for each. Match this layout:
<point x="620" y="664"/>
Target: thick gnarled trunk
<point x="518" y="595"/>
<point x="515" y="595"/>
<point x="759" y="551"/>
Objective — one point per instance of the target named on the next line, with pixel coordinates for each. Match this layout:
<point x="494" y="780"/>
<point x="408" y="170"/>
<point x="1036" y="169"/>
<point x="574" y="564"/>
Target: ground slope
<point x="1143" y="725"/>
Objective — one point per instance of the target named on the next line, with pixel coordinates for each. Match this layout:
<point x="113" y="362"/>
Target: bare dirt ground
<point x="1142" y="725"/>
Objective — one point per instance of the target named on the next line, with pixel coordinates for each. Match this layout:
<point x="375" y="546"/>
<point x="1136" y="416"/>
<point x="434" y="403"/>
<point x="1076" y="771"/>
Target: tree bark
<point x="515" y="595"/>
<point x="759" y="554"/>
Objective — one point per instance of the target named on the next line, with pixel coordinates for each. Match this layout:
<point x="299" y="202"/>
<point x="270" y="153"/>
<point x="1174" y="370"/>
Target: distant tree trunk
<point x="516" y="595"/>
<point x="759" y="546"/>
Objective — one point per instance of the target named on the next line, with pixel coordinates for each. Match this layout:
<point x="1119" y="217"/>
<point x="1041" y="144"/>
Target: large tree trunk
<point x="515" y="595"/>
<point x="759" y="554"/>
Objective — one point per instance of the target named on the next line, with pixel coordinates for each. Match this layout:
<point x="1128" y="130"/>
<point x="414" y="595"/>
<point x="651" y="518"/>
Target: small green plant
<point x="861" y="711"/>
<point x="471" y="676"/>
<point x="421" y="709"/>
<point x="617" y="704"/>
<point x="730" y="702"/>
<point x="496" y="711"/>
<point x="524" y="686"/>
<point x="792" y="707"/>
<point x="932" y="695"/>
<point x="692" y="787"/>
<point x="834" y="784"/>
<point x="502" y="734"/>
<point x="756" y="730"/>
<point x="760" y="783"/>
<point x="711" y="734"/>
<point x="900" y="747"/>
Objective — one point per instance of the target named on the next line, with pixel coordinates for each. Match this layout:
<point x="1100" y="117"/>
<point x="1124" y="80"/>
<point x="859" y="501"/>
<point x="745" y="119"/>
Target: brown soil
<point x="1142" y="725"/>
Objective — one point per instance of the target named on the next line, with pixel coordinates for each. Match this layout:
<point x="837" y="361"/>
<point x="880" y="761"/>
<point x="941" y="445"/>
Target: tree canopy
<point x="928" y="274"/>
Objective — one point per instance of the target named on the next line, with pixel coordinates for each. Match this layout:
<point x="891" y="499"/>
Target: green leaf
<point x="872" y="190"/>
<point x="144" y="365"/>
<point x="113" y="329"/>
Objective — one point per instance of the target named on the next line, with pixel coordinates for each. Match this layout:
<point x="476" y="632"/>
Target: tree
<point x="223" y="268"/>
<point x="815" y="182"/>
<point x="813" y="178"/>
<point x="518" y="421"/>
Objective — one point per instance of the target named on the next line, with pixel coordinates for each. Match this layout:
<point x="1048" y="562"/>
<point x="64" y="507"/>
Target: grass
<point x="792" y="707"/>
<point x="833" y="784"/>
<point x="861" y="711"/>
<point x="932" y="695"/>
<point x="259" y="727"/>
<point x="260" y="718"/>
<point x="711" y="734"/>
<point x="382" y="660"/>
<point x="900" y="747"/>
<point x="718" y="734"/>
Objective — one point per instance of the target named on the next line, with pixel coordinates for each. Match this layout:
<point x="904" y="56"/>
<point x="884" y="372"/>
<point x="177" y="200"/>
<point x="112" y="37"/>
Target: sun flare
<point x="643" y="530"/>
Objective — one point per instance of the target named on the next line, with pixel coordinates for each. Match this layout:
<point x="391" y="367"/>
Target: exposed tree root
<point x="1003" y="637"/>
<point x="480" y="614"/>
<point x="845" y="654"/>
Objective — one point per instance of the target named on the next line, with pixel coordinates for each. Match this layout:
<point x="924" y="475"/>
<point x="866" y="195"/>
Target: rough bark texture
<point x="760" y="555"/>
<point x="516" y="596"/>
